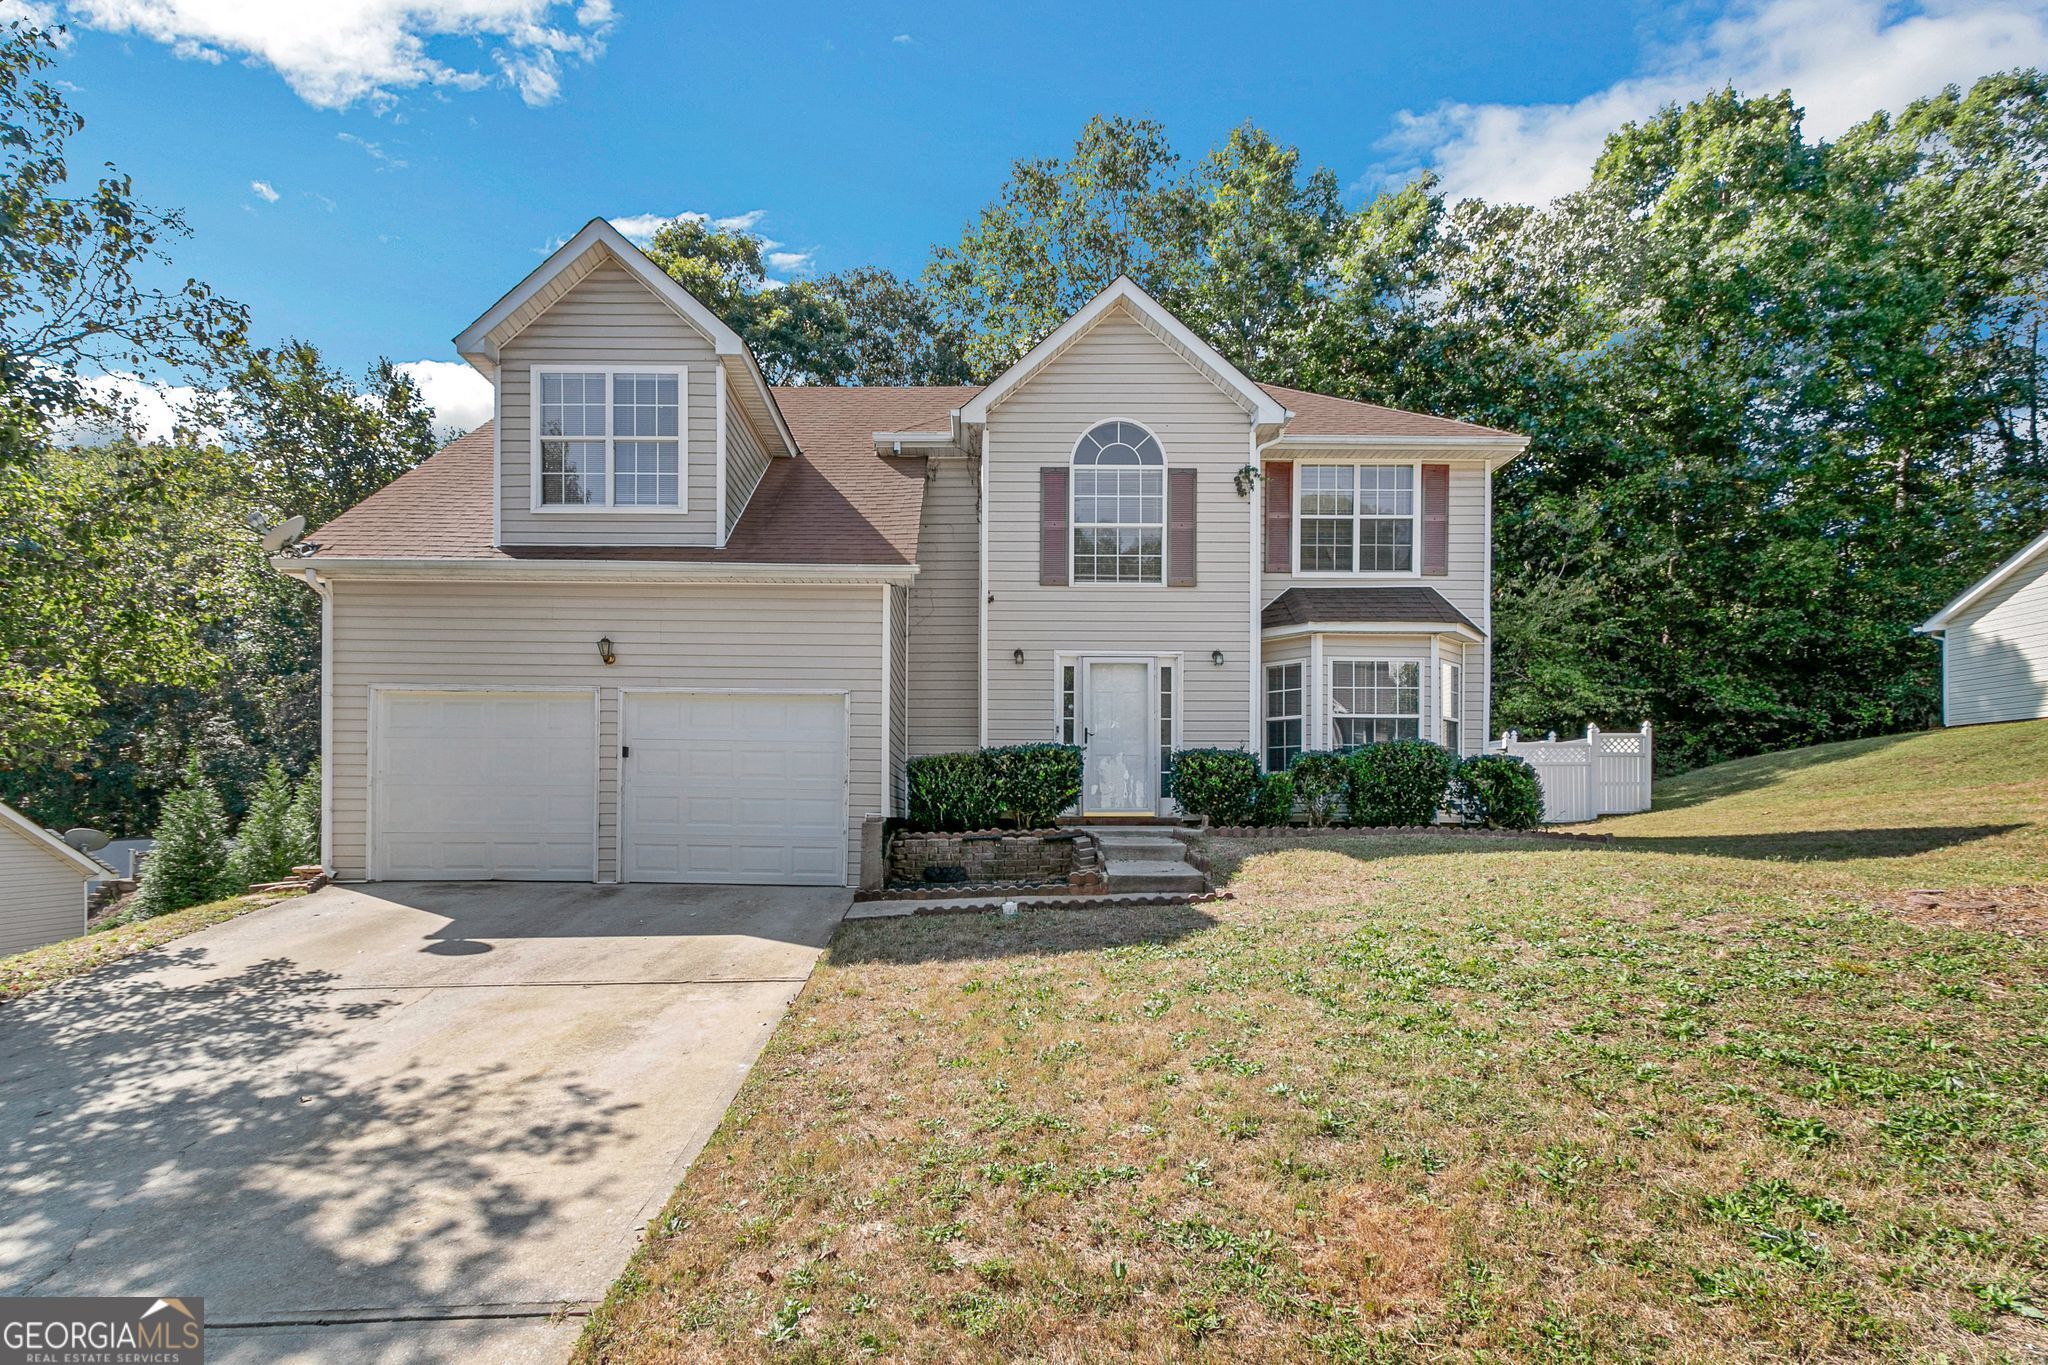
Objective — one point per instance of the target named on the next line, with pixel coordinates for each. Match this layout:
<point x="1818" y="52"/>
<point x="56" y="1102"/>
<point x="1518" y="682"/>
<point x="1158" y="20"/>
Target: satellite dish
<point x="87" y="840"/>
<point x="284" y="533"/>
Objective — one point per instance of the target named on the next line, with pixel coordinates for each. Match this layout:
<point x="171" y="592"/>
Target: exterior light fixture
<point x="1016" y="656"/>
<point x="1216" y="657"/>
<point x="604" y="651"/>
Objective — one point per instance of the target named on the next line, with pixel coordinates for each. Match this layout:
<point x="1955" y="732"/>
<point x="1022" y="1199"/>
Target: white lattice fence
<point x="1601" y="773"/>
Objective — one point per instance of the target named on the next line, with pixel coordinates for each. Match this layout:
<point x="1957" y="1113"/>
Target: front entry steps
<point x="1148" y="859"/>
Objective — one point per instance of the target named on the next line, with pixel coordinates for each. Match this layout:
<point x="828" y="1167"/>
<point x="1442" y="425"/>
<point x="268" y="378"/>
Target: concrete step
<point x="1149" y="848"/>
<point x="1151" y="874"/>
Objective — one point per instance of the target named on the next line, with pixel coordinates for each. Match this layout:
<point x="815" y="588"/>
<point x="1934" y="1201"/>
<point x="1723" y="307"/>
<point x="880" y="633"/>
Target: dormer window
<point x="608" y="440"/>
<point x="1119" y="506"/>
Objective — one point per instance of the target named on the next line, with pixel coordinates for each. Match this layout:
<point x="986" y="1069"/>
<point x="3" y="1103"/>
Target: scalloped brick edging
<point x="1125" y="900"/>
<point x="1423" y="831"/>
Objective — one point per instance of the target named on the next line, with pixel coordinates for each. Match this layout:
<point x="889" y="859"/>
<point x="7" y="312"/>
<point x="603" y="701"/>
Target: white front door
<point x="1120" y="744"/>
<point x="734" y="787"/>
<point x="483" y="785"/>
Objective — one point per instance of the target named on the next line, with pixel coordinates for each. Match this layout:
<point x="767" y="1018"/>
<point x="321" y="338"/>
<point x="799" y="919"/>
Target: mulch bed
<point x="2000" y="909"/>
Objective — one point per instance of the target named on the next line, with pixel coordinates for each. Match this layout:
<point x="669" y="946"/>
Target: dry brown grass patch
<point x="2019" y="910"/>
<point x="1379" y="1251"/>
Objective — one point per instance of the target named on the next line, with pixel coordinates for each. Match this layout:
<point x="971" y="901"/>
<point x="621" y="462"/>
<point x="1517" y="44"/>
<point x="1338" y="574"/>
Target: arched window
<point x="1119" y="506"/>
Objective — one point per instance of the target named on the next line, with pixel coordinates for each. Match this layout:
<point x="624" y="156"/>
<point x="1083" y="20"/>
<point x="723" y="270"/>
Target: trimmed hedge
<point x="1499" y="791"/>
<point x="1035" y="782"/>
<point x="1318" y="780"/>
<point x="1025" y="784"/>
<point x="1222" y="784"/>
<point x="1405" y="782"/>
<point x="1275" y="805"/>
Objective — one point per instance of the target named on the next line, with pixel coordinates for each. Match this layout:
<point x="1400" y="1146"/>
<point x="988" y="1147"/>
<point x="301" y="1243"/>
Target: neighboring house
<point x="1994" y="643"/>
<point x="42" y="885"/>
<point x="692" y="631"/>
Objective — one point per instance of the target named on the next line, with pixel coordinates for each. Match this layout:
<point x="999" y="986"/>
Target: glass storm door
<point x="1120" y="755"/>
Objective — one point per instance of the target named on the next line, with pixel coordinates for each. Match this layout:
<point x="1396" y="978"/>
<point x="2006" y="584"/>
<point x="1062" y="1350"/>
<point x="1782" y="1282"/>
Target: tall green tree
<point x="76" y="258"/>
<point x="190" y="863"/>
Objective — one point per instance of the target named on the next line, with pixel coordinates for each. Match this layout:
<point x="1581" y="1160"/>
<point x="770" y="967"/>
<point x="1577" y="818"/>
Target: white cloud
<point x="1842" y="60"/>
<point x="34" y="13"/>
<point x="903" y="38"/>
<point x="339" y="52"/>
<point x="375" y="151"/>
<point x="785" y="262"/>
<point x="459" y="396"/>
<point x="264" y="191"/>
<point x="639" y="228"/>
<point x="146" y="409"/>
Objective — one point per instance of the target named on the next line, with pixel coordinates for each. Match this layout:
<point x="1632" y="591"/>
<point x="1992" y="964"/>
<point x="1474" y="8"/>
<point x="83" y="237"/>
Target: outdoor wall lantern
<point x="1016" y="656"/>
<point x="604" y="651"/>
<point x="1216" y="657"/>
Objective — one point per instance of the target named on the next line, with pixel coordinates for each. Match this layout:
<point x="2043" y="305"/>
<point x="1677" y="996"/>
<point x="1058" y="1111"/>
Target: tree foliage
<point x="189" y="864"/>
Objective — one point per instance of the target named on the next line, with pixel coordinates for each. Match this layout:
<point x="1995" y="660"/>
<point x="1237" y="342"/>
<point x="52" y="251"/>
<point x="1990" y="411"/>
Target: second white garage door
<point x="729" y="787"/>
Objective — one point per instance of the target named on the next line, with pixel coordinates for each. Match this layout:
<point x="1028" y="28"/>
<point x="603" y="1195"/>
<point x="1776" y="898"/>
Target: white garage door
<point x="472" y="786"/>
<point x="733" y="788"/>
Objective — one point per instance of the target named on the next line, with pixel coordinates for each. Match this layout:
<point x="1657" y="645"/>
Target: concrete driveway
<point x="432" y="1114"/>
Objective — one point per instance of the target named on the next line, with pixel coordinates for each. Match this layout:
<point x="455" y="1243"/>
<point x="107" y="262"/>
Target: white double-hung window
<point x="609" y="440"/>
<point x="1356" y="518"/>
<point x="1373" y="701"/>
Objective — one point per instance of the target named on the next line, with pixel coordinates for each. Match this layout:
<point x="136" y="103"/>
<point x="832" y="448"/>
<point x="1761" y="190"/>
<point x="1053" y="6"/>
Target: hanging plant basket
<point x="1246" y="479"/>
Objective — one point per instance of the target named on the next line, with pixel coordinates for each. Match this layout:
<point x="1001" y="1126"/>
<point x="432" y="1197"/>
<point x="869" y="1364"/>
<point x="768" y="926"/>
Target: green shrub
<point x="265" y="850"/>
<point x="189" y="865"/>
<point x="303" y="824"/>
<point x="1499" y="791"/>
<point x="1222" y="784"/>
<point x="1035" y="782"/>
<point x="1318" y="780"/>
<point x="1405" y="782"/>
<point x="1275" y="805"/>
<point x="952" y="791"/>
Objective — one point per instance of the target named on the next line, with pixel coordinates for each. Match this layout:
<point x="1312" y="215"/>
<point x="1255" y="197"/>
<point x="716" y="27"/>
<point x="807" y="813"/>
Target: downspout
<point x="325" y="589"/>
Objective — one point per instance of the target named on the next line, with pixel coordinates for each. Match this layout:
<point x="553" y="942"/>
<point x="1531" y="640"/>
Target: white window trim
<point x="608" y="507"/>
<point x="1450" y="688"/>
<point x="1414" y="518"/>
<point x="1165" y="512"/>
<point x="1305" y="688"/>
<point x="1327" y="685"/>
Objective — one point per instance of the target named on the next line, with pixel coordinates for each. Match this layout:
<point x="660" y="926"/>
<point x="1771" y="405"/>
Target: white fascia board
<point x="597" y="570"/>
<point x="1976" y="591"/>
<point x="51" y="844"/>
<point x="1265" y="409"/>
<point x="473" y="343"/>
<point x="1374" y="628"/>
<point x="1495" y="450"/>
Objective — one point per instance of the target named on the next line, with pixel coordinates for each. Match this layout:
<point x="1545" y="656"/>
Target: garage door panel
<point x="741" y="788"/>
<point x="478" y="786"/>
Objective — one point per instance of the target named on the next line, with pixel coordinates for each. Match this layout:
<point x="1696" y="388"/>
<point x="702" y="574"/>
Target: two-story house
<point x="660" y="621"/>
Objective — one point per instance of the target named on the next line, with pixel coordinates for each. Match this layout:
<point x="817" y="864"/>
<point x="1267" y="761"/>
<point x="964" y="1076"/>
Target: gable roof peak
<point x="1125" y="292"/>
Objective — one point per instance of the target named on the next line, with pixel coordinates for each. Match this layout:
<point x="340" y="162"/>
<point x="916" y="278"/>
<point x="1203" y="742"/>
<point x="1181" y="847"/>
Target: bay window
<point x="1373" y="701"/>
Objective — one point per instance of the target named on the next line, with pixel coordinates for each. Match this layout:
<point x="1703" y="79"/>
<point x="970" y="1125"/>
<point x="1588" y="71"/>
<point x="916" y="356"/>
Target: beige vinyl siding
<point x="1464" y="586"/>
<point x="794" y="638"/>
<point x="608" y="319"/>
<point x="746" y="462"/>
<point x="1995" y="655"/>
<point x="42" y="898"/>
<point x="944" y="623"/>
<point x="1119" y="370"/>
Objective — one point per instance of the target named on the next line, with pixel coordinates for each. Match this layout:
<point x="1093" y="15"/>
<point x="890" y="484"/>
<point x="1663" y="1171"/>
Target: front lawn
<point x="1714" y="1091"/>
<point x="54" y="962"/>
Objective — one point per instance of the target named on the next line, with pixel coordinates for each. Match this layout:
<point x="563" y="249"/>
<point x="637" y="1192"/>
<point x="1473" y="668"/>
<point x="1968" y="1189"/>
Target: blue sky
<point x="371" y="174"/>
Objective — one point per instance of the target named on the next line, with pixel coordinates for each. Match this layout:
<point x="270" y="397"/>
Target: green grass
<point x="1705" y="1093"/>
<point x="26" y="973"/>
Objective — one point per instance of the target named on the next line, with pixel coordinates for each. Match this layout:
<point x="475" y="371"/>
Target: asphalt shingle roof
<point x="1332" y="606"/>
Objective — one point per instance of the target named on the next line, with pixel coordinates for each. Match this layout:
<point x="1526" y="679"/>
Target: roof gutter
<point x="591" y="571"/>
<point x="1458" y="628"/>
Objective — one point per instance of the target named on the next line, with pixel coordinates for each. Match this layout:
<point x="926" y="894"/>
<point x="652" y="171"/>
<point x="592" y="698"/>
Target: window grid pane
<point x="1373" y="701"/>
<point x="1165" y="730"/>
<point x="1283" y="715"/>
<point x="1119" y="524"/>
<point x="1356" y="518"/>
<point x="1067" y="704"/>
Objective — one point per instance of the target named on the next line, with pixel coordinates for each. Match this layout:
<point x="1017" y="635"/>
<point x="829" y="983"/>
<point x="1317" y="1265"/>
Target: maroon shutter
<point x="1052" y="526"/>
<point x="1436" y="518"/>
<point x="1180" y="528"/>
<point x="1279" y="516"/>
